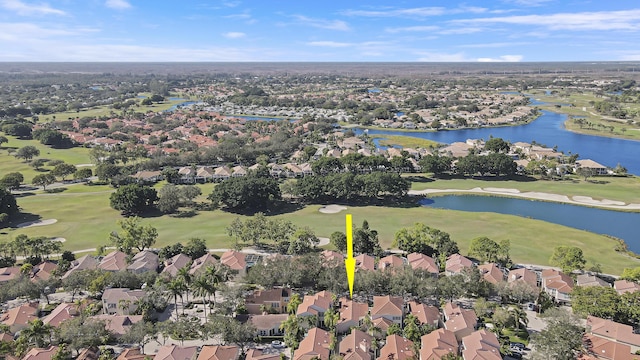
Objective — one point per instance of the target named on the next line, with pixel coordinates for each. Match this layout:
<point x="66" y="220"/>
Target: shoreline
<point x="538" y="196"/>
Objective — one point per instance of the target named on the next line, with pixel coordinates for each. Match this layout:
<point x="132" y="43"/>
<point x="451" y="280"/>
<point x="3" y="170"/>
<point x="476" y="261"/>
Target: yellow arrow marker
<point x="350" y="262"/>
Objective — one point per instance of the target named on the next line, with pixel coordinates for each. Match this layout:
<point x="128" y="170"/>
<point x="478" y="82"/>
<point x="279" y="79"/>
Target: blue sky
<point x="329" y="30"/>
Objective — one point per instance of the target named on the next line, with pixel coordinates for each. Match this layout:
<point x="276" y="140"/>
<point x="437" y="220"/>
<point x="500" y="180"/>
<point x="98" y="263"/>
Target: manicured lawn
<point x="85" y="220"/>
<point x="405" y="141"/>
<point x="625" y="189"/>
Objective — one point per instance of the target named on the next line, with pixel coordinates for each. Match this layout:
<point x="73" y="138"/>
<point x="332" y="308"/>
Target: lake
<point x="549" y="130"/>
<point x="615" y="223"/>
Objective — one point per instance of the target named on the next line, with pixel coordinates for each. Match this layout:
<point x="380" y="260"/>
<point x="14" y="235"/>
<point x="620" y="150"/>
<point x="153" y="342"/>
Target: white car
<point x="277" y="344"/>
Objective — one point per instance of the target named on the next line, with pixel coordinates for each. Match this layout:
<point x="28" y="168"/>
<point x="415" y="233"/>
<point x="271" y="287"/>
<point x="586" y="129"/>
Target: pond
<point x="601" y="221"/>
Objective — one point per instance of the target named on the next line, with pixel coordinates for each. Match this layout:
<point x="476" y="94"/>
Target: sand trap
<point x="323" y="241"/>
<point x="37" y="223"/>
<point x="59" y="239"/>
<point x="332" y="209"/>
<point x="502" y="190"/>
<point x="590" y="200"/>
<point x="84" y="165"/>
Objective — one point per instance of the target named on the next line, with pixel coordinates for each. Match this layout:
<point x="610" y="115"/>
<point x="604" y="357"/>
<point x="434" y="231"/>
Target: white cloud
<point x="503" y="58"/>
<point x="441" y="57"/>
<point x="411" y="12"/>
<point x="461" y="30"/>
<point x="24" y="9"/>
<point x="424" y="28"/>
<point x="24" y="32"/>
<point x="118" y="4"/>
<point x="332" y="44"/>
<point x="527" y="2"/>
<point x="234" y="35"/>
<point x="580" y="21"/>
<point x="493" y="45"/>
<point x="323" y="24"/>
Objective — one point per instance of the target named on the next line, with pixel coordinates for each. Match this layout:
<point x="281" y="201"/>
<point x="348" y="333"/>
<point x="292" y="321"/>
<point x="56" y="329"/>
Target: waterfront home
<point x="598" y="169"/>
<point x="456" y="263"/>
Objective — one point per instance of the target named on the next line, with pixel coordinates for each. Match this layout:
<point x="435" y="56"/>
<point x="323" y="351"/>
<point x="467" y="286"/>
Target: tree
<point x="37" y="333"/>
<point x="436" y="164"/>
<point x="43" y="180"/>
<point x="603" y="302"/>
<point x="83" y="173"/>
<point x="631" y="274"/>
<point x="365" y="240"/>
<point x="21" y="130"/>
<point x="247" y="193"/>
<point x="3" y="140"/>
<point x="141" y="333"/>
<point x="133" y="235"/>
<point x="80" y="332"/>
<point x="11" y="181"/>
<point x="106" y="171"/>
<point x="302" y="241"/>
<point x="169" y="200"/>
<point x="561" y="339"/>
<point x="176" y="287"/>
<point x="568" y="258"/>
<point x="27" y="153"/>
<point x="8" y="205"/>
<point x="293" y="331"/>
<point x="497" y="145"/>
<point x="38" y="164"/>
<point x="63" y="170"/>
<point x="339" y="240"/>
<point x="133" y="199"/>
<point x="484" y="249"/>
<point x="585" y="172"/>
<point x="195" y="248"/>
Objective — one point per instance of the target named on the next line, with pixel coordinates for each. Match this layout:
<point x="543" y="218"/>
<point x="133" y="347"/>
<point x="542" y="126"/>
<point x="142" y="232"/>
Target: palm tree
<point x="519" y="316"/>
<point x="176" y="287"/>
<point x="186" y="277"/>
<point x="202" y="287"/>
<point x="215" y="275"/>
<point x="293" y="304"/>
<point x="37" y="332"/>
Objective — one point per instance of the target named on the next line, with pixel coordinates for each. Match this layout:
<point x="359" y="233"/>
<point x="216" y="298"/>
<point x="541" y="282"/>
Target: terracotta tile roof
<point x="491" y="273"/>
<point x="173" y="265"/>
<point x="41" y="354"/>
<point x="145" y="260"/>
<point x="118" y="324"/>
<point x="612" y="330"/>
<point x="397" y="348"/>
<point x="481" y="344"/>
<point x="625" y="286"/>
<point x="390" y="261"/>
<point x="114" y="261"/>
<point x="456" y="262"/>
<point x="437" y="344"/>
<point x="332" y="257"/>
<point x="62" y="312"/>
<point x="235" y="260"/>
<point x="268" y="295"/>
<point x="210" y="352"/>
<point x="267" y="322"/>
<point x="590" y="280"/>
<point x="175" y="352"/>
<point x="20" y="316"/>
<point x="9" y="273"/>
<point x="86" y="262"/>
<point x="315" y="344"/>
<point x="554" y="279"/>
<point x="255" y="354"/>
<point x="313" y="303"/>
<point x="459" y="319"/>
<point x="426" y="314"/>
<point x="524" y="275"/>
<point x="424" y="262"/>
<point x="382" y="323"/>
<point x="387" y="305"/>
<point x="602" y="348"/>
<point x="202" y="262"/>
<point x="133" y="354"/>
<point x="352" y="311"/>
<point x="365" y="262"/>
<point x="356" y="346"/>
<point x="43" y="271"/>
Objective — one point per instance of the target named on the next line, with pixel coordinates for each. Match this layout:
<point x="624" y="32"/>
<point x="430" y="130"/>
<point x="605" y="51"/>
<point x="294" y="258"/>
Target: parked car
<point x="531" y="306"/>
<point x="517" y="346"/>
<point x="277" y="344"/>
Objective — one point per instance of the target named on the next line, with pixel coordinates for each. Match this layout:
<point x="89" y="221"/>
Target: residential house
<point x="365" y="262"/>
<point x="268" y="324"/>
<point x="257" y="354"/>
<point x="614" y="332"/>
<point x="175" y="352"/>
<point x="145" y="260"/>
<point x="601" y="348"/>
<point x="625" y="286"/>
<point x="333" y="258"/>
<point x="114" y="261"/>
<point x="238" y="171"/>
<point x="121" y="301"/>
<point x="275" y="299"/>
<point x="315" y="305"/>
<point x="221" y="173"/>
<point x="43" y="271"/>
<point x="174" y="264"/>
<point x="41" y="354"/>
<point x="557" y="284"/>
<point x="211" y="352"/>
<point x="391" y="261"/>
<point x="437" y="344"/>
<point x="456" y="263"/>
<point x="86" y="262"/>
<point x="315" y="344"/>
<point x="598" y="169"/>
<point x="491" y="273"/>
<point x="18" y="318"/>
<point x="397" y="348"/>
<point x="133" y="354"/>
<point x="352" y="314"/>
<point x="235" y="261"/>
<point x="481" y="344"/>
<point x="586" y="280"/>
<point x="388" y="307"/>
<point x="204" y="174"/>
<point x="461" y="321"/>
<point x="383" y="324"/>
<point x="62" y="312"/>
<point x="523" y="275"/>
<point x="90" y="353"/>
<point x="201" y="263"/>
<point x="187" y="174"/>
<point x="9" y="273"/>
<point x="118" y="325"/>
<point x="356" y="346"/>
<point x="426" y="314"/>
<point x="423" y="262"/>
<point x="148" y="176"/>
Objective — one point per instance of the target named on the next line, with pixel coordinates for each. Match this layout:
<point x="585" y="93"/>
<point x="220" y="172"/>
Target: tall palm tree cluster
<point x="22" y="245"/>
<point x="204" y="285"/>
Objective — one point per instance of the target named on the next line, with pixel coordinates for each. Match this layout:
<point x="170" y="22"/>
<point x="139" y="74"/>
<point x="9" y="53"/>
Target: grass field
<point x="405" y="141"/>
<point x="625" y="189"/>
<point x="85" y="220"/>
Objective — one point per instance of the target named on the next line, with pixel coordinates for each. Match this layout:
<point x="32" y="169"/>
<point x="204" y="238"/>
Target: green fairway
<point x="405" y="141"/>
<point x="85" y="220"/>
<point x="625" y="189"/>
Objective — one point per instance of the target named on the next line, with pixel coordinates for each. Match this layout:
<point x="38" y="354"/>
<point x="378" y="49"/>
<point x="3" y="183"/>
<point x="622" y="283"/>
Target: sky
<point x="326" y="30"/>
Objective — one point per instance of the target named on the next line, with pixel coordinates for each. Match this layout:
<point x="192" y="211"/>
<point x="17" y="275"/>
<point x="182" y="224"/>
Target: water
<point x="615" y="223"/>
<point x="183" y="104"/>
<point x="548" y="129"/>
<point x="256" y="118"/>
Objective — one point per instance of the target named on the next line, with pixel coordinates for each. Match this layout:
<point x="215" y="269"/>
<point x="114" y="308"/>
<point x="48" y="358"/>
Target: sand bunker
<point x="59" y="239"/>
<point x="332" y="209"/>
<point x="37" y="223"/>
